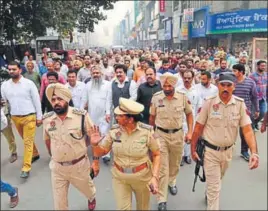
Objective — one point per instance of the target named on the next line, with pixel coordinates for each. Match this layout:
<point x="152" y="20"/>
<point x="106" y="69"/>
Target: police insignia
<point x="248" y="112"/>
<point x="160" y="101"/>
<point x="118" y="135"/>
<point x="216" y="107"/>
<point x="199" y="110"/>
<point x="189" y="102"/>
<point x="52" y="126"/>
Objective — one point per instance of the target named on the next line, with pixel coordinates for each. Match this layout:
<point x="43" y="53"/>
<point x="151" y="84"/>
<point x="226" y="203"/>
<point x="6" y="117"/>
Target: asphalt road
<point x="242" y="189"/>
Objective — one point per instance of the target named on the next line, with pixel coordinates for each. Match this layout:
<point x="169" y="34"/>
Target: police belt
<point x="131" y="170"/>
<point x="168" y="130"/>
<point x="73" y="162"/>
<point x="211" y="146"/>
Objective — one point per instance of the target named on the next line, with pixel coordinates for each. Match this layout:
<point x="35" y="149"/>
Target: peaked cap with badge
<point x="127" y="106"/>
<point x="60" y="90"/>
<point x="169" y="78"/>
<point x="227" y="77"/>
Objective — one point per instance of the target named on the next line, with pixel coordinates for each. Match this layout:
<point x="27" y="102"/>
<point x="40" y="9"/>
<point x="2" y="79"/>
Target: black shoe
<point x="106" y="160"/>
<point x="173" y="190"/>
<point x="162" y="206"/>
<point x="257" y="127"/>
<point x="188" y="159"/>
<point x="182" y="162"/>
<point x="245" y="155"/>
<point x="24" y="174"/>
<point x="35" y="158"/>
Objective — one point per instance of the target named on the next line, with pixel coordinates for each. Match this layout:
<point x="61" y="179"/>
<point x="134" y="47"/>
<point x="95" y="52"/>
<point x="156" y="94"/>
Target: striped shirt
<point x="261" y="82"/>
<point x="247" y="91"/>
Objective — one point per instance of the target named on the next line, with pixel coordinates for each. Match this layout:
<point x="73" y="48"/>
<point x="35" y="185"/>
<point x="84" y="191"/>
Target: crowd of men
<point x="97" y="82"/>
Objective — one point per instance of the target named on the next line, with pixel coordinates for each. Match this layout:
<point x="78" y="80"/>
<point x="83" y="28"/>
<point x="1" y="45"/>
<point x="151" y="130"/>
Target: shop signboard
<point x="242" y="21"/>
<point x="198" y="27"/>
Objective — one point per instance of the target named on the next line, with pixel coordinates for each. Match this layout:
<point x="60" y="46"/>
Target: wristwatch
<point x="96" y="158"/>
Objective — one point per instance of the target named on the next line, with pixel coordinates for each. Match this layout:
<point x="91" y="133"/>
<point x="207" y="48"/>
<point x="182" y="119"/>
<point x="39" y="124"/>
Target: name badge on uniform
<point x="161" y="103"/>
<point x="52" y="126"/>
<point x="216" y="108"/>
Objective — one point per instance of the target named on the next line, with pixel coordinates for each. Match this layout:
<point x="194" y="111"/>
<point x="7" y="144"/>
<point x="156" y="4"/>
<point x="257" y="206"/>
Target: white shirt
<point x="205" y="92"/>
<point x="3" y="120"/>
<point x="108" y="72"/>
<point x="195" y="100"/>
<point x="132" y="88"/>
<point x="83" y="74"/>
<point x="77" y="92"/>
<point x="64" y="70"/>
<point x="22" y="96"/>
<point x="99" y="101"/>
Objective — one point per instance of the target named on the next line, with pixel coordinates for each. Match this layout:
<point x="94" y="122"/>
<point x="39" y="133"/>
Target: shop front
<point x="236" y="30"/>
<point x="198" y="29"/>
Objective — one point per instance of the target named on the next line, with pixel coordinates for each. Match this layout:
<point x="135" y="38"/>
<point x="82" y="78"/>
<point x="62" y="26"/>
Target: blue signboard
<point x="198" y="27"/>
<point x="168" y="30"/>
<point x="241" y="21"/>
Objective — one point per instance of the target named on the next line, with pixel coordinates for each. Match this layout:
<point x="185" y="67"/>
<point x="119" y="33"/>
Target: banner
<point x="241" y="21"/>
<point x="188" y="15"/>
<point x="184" y="31"/>
<point x="162" y="6"/>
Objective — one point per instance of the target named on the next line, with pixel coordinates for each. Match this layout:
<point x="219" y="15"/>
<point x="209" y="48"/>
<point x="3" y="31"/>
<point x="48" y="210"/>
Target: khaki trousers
<point x="8" y="133"/>
<point x="171" y="149"/>
<point x="78" y="175"/>
<point x="123" y="189"/>
<point x="26" y="127"/>
<point x="215" y="166"/>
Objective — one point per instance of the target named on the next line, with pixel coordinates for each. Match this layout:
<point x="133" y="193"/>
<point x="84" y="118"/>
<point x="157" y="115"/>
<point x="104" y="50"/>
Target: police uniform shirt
<point x="131" y="150"/>
<point x="169" y="113"/>
<point x="222" y="121"/>
<point x="63" y="146"/>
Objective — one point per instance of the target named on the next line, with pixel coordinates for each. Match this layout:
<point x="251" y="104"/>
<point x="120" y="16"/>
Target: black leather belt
<point x="211" y="146"/>
<point x="24" y="115"/>
<point x="168" y="130"/>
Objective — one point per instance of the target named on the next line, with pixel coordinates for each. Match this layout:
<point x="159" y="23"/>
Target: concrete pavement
<point x="241" y="188"/>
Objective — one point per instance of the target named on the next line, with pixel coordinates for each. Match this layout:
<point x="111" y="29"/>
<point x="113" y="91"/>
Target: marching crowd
<point x="149" y="108"/>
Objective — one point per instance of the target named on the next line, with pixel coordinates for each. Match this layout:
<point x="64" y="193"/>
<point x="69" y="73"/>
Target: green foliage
<point x="27" y="19"/>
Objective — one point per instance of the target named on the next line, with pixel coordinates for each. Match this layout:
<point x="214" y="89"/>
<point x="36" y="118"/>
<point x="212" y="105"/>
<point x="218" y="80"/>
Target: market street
<point x="241" y="189"/>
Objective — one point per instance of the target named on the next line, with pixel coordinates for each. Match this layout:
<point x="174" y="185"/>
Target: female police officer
<point x="131" y="142"/>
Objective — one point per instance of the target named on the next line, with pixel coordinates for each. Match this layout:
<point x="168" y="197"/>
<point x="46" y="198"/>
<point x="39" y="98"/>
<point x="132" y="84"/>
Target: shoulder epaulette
<point x="49" y="114"/>
<point x="145" y="126"/>
<point x="180" y="91"/>
<point x="238" y="98"/>
<point x="115" y="126"/>
<point x="79" y="111"/>
<point x="157" y="93"/>
<point x="210" y="97"/>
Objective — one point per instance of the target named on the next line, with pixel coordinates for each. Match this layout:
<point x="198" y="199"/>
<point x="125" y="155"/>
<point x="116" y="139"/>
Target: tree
<point x="28" y="19"/>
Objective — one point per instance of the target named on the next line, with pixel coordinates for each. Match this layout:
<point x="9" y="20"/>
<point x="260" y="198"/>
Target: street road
<point x="241" y="188"/>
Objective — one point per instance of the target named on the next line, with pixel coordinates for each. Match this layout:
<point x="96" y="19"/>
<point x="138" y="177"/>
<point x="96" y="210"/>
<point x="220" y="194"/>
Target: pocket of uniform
<point x="75" y="133"/>
<point x="234" y="119"/>
<point x="161" y="112"/>
<point x="178" y="112"/>
<point x="215" y="120"/>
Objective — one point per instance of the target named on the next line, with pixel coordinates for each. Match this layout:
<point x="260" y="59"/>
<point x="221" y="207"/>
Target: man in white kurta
<point x="196" y="101"/>
<point x="97" y="97"/>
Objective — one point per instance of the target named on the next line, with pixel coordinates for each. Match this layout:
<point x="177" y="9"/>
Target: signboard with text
<point x="188" y="15"/>
<point x="198" y="27"/>
<point x="162" y="6"/>
<point x="241" y="21"/>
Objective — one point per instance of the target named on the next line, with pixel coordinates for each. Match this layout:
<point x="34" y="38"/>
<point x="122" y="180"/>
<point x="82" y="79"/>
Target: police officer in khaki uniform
<point x="65" y="140"/>
<point x="166" y="114"/>
<point x="131" y="142"/>
<point x="218" y="123"/>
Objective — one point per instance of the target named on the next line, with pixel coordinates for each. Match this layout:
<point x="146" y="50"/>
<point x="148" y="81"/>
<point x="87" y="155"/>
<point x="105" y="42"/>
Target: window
<point x="52" y="44"/>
